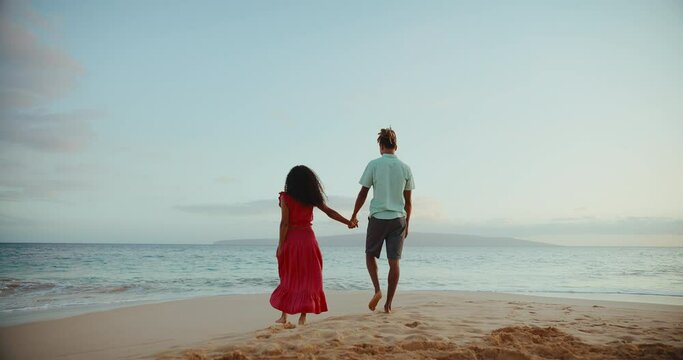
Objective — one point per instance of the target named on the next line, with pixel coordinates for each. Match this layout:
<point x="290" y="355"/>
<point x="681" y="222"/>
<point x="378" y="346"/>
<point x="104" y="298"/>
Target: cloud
<point x="34" y="73"/>
<point x="428" y="209"/>
<point x="77" y="168"/>
<point x="574" y="219"/>
<point x="32" y="179"/>
<point x="7" y="221"/>
<point x="51" y="132"/>
<point x="36" y="189"/>
<point x="257" y="207"/>
<point x="21" y="10"/>
<point x="430" y="216"/>
<point x="632" y="225"/>
<point x="342" y="202"/>
<point x="7" y="166"/>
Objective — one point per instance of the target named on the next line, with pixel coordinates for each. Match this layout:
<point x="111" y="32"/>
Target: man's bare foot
<point x="289" y="325"/>
<point x="387" y="309"/>
<point x="302" y="319"/>
<point x="375" y="299"/>
<point x="282" y="319"/>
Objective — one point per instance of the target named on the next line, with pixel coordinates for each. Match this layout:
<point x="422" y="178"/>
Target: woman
<point x="298" y="255"/>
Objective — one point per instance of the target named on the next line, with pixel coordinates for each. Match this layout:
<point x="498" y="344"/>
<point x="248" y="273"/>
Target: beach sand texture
<point x="469" y="326"/>
<point x="438" y="325"/>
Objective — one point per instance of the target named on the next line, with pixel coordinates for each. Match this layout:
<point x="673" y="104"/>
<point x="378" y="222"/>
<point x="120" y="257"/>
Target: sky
<point x="177" y="122"/>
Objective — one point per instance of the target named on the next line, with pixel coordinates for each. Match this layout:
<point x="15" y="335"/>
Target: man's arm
<point x="408" y="207"/>
<point x="360" y="200"/>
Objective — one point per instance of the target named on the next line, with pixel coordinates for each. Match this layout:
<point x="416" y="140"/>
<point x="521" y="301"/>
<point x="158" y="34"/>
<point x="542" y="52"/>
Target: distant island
<point x="415" y="239"/>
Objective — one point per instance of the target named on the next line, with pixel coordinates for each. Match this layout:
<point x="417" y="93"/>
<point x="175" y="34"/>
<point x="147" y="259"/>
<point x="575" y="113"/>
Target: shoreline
<point x="67" y="312"/>
<point x="169" y="328"/>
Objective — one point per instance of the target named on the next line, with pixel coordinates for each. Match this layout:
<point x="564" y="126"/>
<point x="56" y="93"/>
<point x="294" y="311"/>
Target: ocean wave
<point x="257" y="281"/>
<point x="16" y="287"/>
<point x="10" y="286"/>
<point x="80" y="304"/>
<point x="26" y="308"/>
<point x="114" y="289"/>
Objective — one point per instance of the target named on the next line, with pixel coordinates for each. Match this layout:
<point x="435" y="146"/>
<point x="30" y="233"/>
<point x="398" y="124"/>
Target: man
<point x="390" y="208"/>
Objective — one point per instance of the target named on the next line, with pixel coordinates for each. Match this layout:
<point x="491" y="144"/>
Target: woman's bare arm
<point x="284" y="225"/>
<point x="336" y="216"/>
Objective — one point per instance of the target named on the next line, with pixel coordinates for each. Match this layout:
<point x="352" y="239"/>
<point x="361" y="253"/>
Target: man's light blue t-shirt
<point x="389" y="177"/>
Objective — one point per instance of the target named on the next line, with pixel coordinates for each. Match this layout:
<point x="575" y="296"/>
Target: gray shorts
<point x="393" y="231"/>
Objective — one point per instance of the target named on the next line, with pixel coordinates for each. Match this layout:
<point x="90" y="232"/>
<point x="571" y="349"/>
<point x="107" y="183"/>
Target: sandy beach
<point x="424" y="325"/>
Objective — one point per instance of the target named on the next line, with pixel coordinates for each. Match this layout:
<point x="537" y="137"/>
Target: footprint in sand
<point x="627" y="339"/>
<point x="413" y="324"/>
<point x="634" y="327"/>
<point x="274" y="328"/>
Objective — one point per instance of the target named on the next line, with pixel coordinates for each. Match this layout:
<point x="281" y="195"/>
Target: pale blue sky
<point x="177" y="121"/>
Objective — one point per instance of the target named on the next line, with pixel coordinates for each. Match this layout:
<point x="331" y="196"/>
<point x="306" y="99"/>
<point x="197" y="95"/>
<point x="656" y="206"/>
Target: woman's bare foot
<point x="375" y="299"/>
<point x="387" y="309"/>
<point x="289" y="325"/>
<point x="302" y="319"/>
<point x="282" y="319"/>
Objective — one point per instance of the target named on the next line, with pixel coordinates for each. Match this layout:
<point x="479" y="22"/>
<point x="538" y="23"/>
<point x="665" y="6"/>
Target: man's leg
<point x="394" y="274"/>
<point x="394" y="250"/>
<point x="373" y="247"/>
<point x="372" y="270"/>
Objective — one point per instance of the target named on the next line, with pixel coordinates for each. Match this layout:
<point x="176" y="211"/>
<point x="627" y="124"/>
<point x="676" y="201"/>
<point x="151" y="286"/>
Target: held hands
<point x="278" y="252"/>
<point x="353" y="223"/>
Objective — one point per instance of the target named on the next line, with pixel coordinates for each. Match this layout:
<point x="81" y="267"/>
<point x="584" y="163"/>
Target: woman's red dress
<point x="300" y="264"/>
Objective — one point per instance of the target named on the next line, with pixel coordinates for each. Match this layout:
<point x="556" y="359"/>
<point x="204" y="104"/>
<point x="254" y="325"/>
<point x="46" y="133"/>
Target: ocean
<point x="45" y="281"/>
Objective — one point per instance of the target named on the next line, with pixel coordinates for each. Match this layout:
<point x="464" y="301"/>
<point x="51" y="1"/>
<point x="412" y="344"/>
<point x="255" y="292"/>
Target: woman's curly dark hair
<point x="387" y="138"/>
<point x="303" y="185"/>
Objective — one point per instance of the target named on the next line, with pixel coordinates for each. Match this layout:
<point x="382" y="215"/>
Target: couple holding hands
<point x="298" y="254"/>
